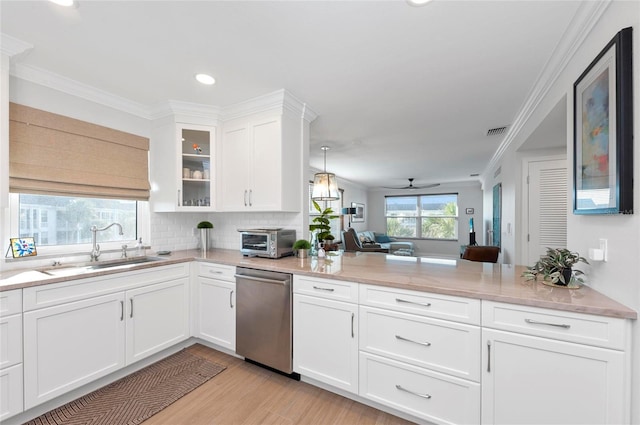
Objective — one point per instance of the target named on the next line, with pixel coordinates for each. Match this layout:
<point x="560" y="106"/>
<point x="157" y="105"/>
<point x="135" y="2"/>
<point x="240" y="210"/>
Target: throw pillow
<point x="383" y="239"/>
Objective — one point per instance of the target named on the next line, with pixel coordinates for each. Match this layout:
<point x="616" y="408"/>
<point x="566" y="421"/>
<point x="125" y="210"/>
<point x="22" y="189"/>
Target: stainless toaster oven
<point x="269" y="242"/>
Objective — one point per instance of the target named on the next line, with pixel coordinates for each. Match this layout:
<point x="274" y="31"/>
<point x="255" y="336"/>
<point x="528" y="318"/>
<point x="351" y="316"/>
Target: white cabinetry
<point x="183" y="170"/>
<point x="260" y="163"/>
<point x="548" y="367"/>
<point x="325" y="331"/>
<point x="10" y="353"/>
<point x="214" y="312"/>
<point x="413" y="360"/>
<point x="81" y="330"/>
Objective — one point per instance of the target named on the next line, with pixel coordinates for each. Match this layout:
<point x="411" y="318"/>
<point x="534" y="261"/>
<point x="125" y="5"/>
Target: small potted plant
<point x="556" y="267"/>
<point x="301" y="247"/>
<point x="205" y="234"/>
<point x="321" y="224"/>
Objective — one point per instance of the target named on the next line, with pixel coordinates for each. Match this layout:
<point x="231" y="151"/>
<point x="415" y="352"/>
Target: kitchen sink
<point x="76" y="269"/>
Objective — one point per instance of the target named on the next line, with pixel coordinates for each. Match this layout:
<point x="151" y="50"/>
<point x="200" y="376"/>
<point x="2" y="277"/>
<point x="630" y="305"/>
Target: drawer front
<point x="217" y="271"/>
<point x="10" y="302"/>
<point x="11" y="386"/>
<point x="10" y="340"/>
<point x="428" y="395"/>
<point x="447" y="347"/>
<point x="78" y="289"/>
<point x="326" y="288"/>
<point x="465" y="310"/>
<point x="600" y="331"/>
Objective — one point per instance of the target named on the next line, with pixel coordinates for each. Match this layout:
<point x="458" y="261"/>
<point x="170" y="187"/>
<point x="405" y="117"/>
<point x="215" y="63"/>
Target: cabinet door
<point x="157" y="318"/>
<point x="10" y="340"/>
<point x="266" y="172"/>
<point x="528" y="379"/>
<point x="69" y="345"/>
<point x="234" y="165"/>
<point x="216" y="313"/>
<point x="11" y="391"/>
<point x="325" y="341"/>
<point x="196" y="167"/>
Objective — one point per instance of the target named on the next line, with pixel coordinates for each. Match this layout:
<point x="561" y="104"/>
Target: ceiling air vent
<point x="496" y="131"/>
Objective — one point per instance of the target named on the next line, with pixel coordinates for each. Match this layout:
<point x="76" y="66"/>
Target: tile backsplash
<point x="174" y="231"/>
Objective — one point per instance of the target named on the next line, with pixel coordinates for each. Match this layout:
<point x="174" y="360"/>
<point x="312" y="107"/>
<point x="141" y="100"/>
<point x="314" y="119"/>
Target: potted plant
<point x="556" y="266"/>
<point x="205" y="234"/>
<point x="321" y="224"/>
<point x="301" y="247"/>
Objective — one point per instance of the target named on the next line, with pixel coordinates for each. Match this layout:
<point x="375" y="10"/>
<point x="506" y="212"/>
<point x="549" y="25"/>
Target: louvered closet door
<point x="547" y="207"/>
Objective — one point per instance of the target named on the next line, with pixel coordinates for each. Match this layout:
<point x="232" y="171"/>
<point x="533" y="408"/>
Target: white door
<point x="266" y="171"/>
<point x="157" y="318"/>
<point x="547" y="208"/>
<point x="69" y="345"/>
<point x="234" y="166"/>
<point x="528" y="379"/>
<point x="11" y="391"/>
<point x="216" y="313"/>
<point x="326" y="341"/>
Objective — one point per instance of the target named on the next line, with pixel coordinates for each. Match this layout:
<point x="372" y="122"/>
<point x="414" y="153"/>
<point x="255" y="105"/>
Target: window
<point x="63" y="220"/>
<point x="422" y="216"/>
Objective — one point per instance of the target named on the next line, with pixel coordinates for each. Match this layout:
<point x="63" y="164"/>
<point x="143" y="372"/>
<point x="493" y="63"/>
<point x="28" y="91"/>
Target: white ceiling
<point x="400" y="91"/>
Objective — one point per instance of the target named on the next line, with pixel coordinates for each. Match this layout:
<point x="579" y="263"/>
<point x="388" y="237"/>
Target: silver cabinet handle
<point x="557" y="325"/>
<point x="121" y="311"/>
<point x="178" y="197"/>
<point x="427" y="396"/>
<point x="215" y="272"/>
<point x="353" y="317"/>
<point x="245" y="197"/>
<point x="250" y="195"/>
<point x="324" y="289"/>
<point x="231" y="299"/>
<point x="131" y="302"/>
<point x="488" y="356"/>
<point x="401" y="338"/>
<point x="400" y="300"/>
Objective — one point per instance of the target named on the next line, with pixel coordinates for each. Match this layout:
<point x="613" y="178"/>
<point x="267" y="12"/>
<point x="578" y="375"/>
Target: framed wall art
<point x="603" y="132"/>
<point x="358" y="217"/>
<point x="23" y="247"/>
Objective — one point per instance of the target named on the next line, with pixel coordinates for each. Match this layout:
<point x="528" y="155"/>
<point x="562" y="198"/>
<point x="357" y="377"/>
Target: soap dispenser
<point x="139" y="248"/>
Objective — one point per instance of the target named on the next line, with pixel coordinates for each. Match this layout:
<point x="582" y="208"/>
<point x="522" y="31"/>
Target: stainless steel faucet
<point x="95" y="251"/>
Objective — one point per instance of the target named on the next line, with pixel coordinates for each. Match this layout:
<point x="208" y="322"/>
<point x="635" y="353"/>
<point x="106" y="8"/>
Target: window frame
<point x="142" y="231"/>
<point x="419" y="217"/>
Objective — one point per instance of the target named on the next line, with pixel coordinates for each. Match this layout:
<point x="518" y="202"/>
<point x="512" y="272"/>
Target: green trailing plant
<point x="552" y="265"/>
<point x="322" y="223"/>
<point x="205" y="225"/>
<point x="301" y="244"/>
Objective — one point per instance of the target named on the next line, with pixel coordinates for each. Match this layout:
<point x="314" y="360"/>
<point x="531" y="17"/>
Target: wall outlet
<point x="194" y="231"/>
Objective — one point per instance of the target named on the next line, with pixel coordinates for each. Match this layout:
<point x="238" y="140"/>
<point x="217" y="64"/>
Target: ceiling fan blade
<point x="412" y="187"/>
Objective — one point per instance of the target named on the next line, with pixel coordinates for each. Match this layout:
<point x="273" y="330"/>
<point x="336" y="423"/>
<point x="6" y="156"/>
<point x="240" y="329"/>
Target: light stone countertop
<point x="486" y="281"/>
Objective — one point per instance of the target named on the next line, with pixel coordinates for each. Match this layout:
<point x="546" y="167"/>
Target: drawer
<point x="465" y="310"/>
<point x="217" y="271"/>
<point x="326" y="288"/>
<point x="448" y="347"/>
<point x="11" y="392"/>
<point x="10" y="340"/>
<point x="10" y="302"/>
<point x="428" y="395"/>
<point x="600" y="331"/>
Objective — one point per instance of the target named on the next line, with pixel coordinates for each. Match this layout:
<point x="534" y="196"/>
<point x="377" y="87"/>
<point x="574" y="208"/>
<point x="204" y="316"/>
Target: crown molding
<point x="11" y="46"/>
<point x="206" y="113"/>
<point x="66" y="85"/>
<point x="585" y="18"/>
<point x="277" y="100"/>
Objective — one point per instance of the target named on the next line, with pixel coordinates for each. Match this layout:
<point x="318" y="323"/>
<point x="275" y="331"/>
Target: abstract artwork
<point x="23" y="247"/>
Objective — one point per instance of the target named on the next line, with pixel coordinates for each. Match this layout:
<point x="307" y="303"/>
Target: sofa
<point x="394" y="246"/>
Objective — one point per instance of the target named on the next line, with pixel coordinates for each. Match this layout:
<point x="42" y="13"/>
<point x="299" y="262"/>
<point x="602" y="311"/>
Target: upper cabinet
<point x="246" y="157"/>
<point x="183" y="164"/>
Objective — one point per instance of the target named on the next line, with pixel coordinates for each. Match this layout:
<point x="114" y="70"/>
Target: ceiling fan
<point x="411" y="186"/>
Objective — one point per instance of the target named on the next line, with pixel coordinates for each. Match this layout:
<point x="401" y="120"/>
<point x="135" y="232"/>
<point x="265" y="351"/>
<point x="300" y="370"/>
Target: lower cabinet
<point x="11" y="358"/>
<point x="69" y="344"/>
<point x="325" y="332"/>
<point x="215" y="312"/>
<point x="11" y="392"/>
<point x="549" y="367"/>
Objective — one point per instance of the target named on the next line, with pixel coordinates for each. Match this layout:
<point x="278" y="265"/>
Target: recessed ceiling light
<point x="418" y="3"/>
<point x="205" y="79"/>
<point x="65" y="3"/>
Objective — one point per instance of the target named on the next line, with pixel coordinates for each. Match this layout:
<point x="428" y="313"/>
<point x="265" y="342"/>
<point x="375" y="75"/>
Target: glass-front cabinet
<point x="197" y="150"/>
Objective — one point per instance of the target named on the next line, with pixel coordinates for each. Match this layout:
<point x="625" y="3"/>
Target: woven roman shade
<point x="56" y="155"/>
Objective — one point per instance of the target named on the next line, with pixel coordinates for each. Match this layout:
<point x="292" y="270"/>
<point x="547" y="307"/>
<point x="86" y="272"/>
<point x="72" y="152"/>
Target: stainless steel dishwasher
<point x="264" y="318"/>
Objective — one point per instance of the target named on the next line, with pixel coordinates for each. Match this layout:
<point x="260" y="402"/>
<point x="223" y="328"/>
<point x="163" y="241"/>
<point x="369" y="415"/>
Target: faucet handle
<point x="124" y="251"/>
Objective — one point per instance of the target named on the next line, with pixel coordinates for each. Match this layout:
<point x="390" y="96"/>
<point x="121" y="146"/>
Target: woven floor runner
<point x="138" y="396"/>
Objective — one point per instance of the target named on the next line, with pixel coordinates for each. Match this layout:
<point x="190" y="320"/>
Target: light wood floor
<point x="247" y="394"/>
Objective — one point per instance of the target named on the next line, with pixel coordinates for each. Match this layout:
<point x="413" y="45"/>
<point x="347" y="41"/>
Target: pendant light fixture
<point x="325" y="187"/>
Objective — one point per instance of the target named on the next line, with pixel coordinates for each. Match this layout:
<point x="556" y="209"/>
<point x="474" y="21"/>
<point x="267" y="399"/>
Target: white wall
<point x="619" y="277"/>
<point x="469" y="196"/>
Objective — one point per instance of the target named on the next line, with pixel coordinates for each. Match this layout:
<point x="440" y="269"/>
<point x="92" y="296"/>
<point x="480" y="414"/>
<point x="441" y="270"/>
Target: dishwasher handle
<point x="262" y="279"/>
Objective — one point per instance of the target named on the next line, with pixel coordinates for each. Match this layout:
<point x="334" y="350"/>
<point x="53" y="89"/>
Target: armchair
<point x="351" y="243"/>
